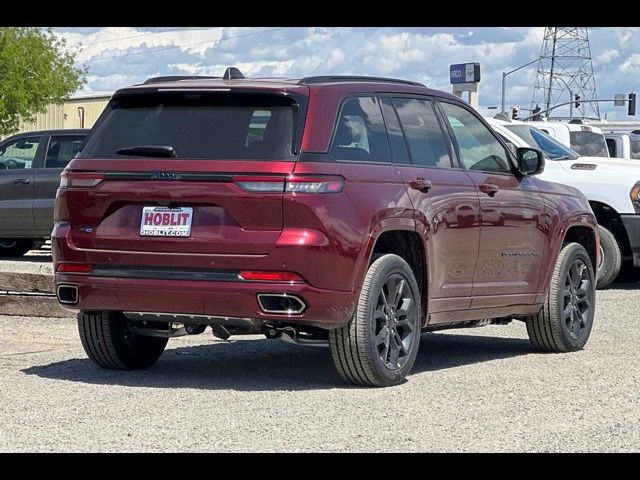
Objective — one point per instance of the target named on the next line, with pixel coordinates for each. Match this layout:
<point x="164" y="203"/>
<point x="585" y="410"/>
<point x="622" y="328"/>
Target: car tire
<point x="565" y="321"/>
<point x="107" y="342"/>
<point x="378" y="346"/>
<point x="611" y="258"/>
<point x="15" y="248"/>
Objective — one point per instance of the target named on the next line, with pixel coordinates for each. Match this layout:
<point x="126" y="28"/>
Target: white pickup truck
<point x="612" y="186"/>
<point x="624" y="144"/>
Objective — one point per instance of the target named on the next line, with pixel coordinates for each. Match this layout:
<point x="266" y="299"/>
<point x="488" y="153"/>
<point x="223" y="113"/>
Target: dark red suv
<point x="348" y="212"/>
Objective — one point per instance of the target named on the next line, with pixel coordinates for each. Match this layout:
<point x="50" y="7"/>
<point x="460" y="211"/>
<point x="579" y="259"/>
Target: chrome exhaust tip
<point x="68" y="294"/>
<point x="281" y="303"/>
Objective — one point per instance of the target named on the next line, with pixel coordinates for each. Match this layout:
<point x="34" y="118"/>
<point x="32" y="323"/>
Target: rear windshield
<point x="196" y="125"/>
<point x="589" y="144"/>
<point x="635" y="148"/>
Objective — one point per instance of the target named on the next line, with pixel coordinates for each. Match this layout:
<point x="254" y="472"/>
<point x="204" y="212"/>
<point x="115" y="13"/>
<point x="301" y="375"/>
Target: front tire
<point x="565" y="321"/>
<point x="108" y="342"/>
<point x="610" y="258"/>
<point x="378" y="346"/>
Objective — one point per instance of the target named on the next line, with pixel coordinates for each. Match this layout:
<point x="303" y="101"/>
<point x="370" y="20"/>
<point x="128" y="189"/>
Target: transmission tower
<point x="565" y="69"/>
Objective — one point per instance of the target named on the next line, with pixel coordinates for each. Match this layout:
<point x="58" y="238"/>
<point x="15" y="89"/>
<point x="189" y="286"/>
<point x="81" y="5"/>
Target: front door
<point x="445" y="200"/>
<point x="513" y="238"/>
<point x="16" y="185"/>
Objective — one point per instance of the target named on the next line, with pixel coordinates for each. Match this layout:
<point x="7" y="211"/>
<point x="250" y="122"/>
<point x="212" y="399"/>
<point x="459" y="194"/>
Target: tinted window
<point x="589" y="144"/>
<point x="360" y="133"/>
<point x="535" y="138"/>
<point x="397" y="143"/>
<point x="423" y="133"/>
<point x="611" y="146"/>
<point x="19" y="153"/>
<point x="479" y="149"/>
<point x="62" y="150"/>
<point x="197" y="125"/>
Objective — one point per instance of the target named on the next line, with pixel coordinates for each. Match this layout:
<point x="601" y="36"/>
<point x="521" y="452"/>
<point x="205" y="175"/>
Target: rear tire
<point x="565" y="321"/>
<point x="107" y="341"/>
<point x="15" y="248"/>
<point x="378" y="346"/>
<point x="611" y="261"/>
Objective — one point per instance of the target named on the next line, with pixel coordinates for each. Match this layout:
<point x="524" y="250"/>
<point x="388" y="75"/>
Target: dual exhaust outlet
<point x="275" y="303"/>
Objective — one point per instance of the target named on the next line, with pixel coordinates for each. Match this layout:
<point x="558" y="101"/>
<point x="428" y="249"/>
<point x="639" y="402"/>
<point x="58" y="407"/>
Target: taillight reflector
<point x="73" y="268"/>
<point x="259" y="276"/>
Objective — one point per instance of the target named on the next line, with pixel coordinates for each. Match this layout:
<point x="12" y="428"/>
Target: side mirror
<point x="530" y="161"/>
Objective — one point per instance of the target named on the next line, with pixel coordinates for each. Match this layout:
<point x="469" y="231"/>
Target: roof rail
<point x="354" y="78"/>
<point x="174" y="78"/>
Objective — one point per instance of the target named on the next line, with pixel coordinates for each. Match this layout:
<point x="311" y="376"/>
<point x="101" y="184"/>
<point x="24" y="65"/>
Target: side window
<point x="509" y="143"/>
<point x="19" y="153"/>
<point x="360" y="133"/>
<point x="479" y="149"/>
<point x="397" y="143"/>
<point x="611" y="146"/>
<point x="62" y="150"/>
<point x="421" y="128"/>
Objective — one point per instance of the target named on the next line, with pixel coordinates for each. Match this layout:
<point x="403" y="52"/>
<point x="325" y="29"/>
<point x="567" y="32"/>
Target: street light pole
<point x="504" y="76"/>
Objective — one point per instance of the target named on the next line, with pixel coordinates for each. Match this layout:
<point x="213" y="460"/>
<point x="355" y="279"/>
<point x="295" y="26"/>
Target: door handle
<point x="23" y="181"/>
<point x="421" y="184"/>
<point x="489" y="188"/>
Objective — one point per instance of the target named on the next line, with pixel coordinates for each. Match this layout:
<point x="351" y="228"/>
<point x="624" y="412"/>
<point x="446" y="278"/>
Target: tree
<point x="35" y="70"/>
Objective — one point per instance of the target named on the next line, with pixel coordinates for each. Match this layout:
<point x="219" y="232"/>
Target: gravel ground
<point x="479" y="389"/>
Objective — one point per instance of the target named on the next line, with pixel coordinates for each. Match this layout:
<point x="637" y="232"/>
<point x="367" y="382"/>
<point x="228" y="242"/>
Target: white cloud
<point x="121" y="56"/>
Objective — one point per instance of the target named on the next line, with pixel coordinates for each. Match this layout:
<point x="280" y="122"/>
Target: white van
<point x="587" y="140"/>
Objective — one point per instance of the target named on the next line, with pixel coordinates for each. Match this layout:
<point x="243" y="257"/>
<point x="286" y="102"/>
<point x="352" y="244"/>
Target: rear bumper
<point x="324" y="308"/>
<point x="632" y="226"/>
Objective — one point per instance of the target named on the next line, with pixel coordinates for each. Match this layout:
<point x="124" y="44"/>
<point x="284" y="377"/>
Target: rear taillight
<point x="73" y="268"/>
<point x="290" y="184"/>
<point x="260" y="276"/>
<point x="265" y="184"/>
<point x="71" y="179"/>
<point x="320" y="184"/>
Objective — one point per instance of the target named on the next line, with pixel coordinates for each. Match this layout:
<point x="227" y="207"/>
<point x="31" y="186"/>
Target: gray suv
<point x="30" y="167"/>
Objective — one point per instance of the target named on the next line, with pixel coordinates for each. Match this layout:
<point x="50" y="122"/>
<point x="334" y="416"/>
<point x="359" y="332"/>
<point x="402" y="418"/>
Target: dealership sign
<point x="464" y="73"/>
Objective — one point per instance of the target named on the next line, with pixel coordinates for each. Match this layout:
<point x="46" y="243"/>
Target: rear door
<point x="60" y="150"/>
<point x="215" y="160"/>
<point x="513" y="236"/>
<point x="444" y="198"/>
<point x="17" y="159"/>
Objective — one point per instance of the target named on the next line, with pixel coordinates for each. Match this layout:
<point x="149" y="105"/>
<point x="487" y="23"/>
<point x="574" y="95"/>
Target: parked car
<point x="612" y="186"/>
<point x="30" y="167"/>
<point x="587" y="140"/>
<point x="623" y="144"/>
<point x="353" y="219"/>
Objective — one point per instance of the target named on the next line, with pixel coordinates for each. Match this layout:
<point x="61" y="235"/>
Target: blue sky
<point x="121" y="56"/>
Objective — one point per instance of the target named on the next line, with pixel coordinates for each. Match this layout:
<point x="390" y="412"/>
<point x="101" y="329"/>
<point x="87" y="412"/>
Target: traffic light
<point x="632" y="104"/>
<point x="576" y="99"/>
<point x="535" y="113"/>
<point x="515" y="111"/>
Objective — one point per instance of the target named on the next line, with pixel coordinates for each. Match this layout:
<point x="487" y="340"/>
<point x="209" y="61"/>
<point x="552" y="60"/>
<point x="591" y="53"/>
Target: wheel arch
<point x="407" y="244"/>
<point x="609" y="218"/>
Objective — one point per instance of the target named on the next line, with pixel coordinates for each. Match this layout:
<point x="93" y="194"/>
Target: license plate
<point x="166" y="222"/>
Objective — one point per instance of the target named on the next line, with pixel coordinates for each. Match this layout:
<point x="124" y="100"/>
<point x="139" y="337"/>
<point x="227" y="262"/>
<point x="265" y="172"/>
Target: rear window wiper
<point x="162" y="151"/>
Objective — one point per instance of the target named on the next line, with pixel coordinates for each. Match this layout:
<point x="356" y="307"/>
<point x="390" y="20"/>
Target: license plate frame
<point x="166" y="222"/>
